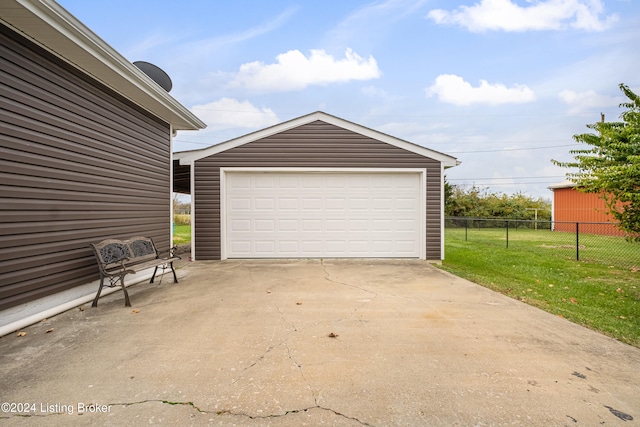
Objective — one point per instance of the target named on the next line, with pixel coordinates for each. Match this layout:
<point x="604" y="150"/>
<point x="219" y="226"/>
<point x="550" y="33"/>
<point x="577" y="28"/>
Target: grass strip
<point x="181" y="234"/>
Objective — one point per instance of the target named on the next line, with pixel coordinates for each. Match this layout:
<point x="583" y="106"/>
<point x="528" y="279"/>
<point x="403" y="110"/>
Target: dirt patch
<point x="562" y="246"/>
<point x="183" y="249"/>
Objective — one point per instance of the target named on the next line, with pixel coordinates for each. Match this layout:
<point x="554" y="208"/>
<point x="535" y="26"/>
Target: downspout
<point x="442" y="211"/>
<point x="192" y="184"/>
<point x="172" y="133"/>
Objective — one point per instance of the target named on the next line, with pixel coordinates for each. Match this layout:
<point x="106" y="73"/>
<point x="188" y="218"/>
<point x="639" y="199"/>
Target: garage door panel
<point x="311" y="181"/>
<point x="240" y="225"/>
<point x="285" y="225"/>
<point x="264" y="181"/>
<point x="238" y="204"/>
<point x="287" y="204"/>
<point x="265" y="246"/>
<point x="382" y="204"/>
<point x="335" y="203"/>
<point x="240" y="182"/>
<point x="406" y="204"/>
<point x="408" y="225"/>
<point x="267" y="225"/>
<point x="335" y="225"/>
<point x="240" y="247"/>
<point x="406" y="246"/>
<point x="359" y="203"/>
<point x="288" y="247"/>
<point x="262" y="204"/>
<point x="360" y="182"/>
<point x="281" y="214"/>
<point x="287" y="182"/>
<point x="358" y="225"/>
<point x="336" y="246"/>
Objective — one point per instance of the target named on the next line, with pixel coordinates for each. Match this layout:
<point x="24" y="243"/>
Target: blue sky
<point x="503" y="85"/>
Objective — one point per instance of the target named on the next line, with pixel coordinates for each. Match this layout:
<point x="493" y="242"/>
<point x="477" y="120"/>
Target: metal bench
<point x="117" y="258"/>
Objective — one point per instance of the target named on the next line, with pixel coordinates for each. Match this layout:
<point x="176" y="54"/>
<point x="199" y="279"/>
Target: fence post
<point x="577" y="241"/>
<point x="466" y="230"/>
<point x="507" y="234"/>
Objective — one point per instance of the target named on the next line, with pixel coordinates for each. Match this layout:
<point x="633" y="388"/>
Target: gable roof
<point x="49" y="25"/>
<point x="188" y="157"/>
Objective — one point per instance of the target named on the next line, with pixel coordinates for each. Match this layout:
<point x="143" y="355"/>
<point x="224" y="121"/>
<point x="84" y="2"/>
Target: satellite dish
<point x="156" y="74"/>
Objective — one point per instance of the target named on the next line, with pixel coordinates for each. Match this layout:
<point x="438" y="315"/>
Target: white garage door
<point x="311" y="215"/>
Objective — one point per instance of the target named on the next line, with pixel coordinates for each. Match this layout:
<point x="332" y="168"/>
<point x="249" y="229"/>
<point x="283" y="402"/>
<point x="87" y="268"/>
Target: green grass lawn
<point x="542" y="271"/>
<point x="181" y="234"/>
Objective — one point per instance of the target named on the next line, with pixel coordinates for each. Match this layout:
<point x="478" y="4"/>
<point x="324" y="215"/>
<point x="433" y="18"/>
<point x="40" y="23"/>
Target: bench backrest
<point x="142" y="248"/>
<point x="136" y="249"/>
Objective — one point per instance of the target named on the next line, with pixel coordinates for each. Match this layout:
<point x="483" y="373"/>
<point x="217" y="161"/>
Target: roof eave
<point x="561" y="185"/>
<point x="49" y="25"/>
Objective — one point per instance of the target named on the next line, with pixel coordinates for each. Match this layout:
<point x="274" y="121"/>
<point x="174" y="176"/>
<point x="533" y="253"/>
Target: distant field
<point x="539" y="268"/>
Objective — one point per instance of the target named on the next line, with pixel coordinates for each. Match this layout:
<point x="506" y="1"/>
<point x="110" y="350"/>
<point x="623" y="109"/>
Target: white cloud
<point x="590" y="100"/>
<point x="229" y="113"/>
<point x="505" y="15"/>
<point x="294" y="71"/>
<point x="455" y="90"/>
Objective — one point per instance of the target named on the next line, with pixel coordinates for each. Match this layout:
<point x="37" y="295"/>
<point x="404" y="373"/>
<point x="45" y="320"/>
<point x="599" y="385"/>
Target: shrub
<point x="182" y="219"/>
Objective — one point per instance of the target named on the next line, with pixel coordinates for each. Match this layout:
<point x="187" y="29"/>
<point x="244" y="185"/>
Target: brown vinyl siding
<point x="78" y="164"/>
<point x="316" y="144"/>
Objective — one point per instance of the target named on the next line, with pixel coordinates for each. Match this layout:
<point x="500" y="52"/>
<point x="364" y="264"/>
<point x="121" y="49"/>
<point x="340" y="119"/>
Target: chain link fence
<point x="594" y="242"/>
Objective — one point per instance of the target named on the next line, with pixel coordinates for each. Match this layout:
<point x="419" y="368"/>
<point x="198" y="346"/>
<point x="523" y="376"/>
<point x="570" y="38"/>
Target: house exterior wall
<point x="317" y="144"/>
<point x="79" y="164"/>
<point x="571" y="206"/>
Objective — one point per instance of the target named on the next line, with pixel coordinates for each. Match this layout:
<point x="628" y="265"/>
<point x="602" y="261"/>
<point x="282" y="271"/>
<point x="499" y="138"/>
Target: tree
<point x="611" y="166"/>
<point x="476" y="202"/>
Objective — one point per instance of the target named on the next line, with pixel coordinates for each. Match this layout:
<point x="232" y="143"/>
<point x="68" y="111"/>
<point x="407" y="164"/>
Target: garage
<point x="317" y="186"/>
<point x="311" y="214"/>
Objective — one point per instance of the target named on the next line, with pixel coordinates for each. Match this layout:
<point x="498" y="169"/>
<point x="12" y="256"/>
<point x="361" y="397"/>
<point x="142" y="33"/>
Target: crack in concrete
<point x="327" y="277"/>
<point x="203" y="411"/>
<point x="295" y="329"/>
<point x="298" y="365"/>
<point x="291" y="358"/>
<point x="260" y="359"/>
<point x="243" y="414"/>
<point x="216" y="412"/>
<point x="296" y="411"/>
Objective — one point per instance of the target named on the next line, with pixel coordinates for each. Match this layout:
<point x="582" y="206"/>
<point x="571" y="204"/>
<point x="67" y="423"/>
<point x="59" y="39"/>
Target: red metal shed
<point x="571" y="205"/>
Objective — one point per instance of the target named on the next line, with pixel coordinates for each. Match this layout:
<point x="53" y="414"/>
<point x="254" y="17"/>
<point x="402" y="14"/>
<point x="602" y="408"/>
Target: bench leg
<point x="127" y="303"/>
<point x="95" y="300"/>
<point x="175" y="278"/>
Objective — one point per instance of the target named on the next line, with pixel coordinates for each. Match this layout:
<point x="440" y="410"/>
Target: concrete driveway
<point x="311" y="342"/>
